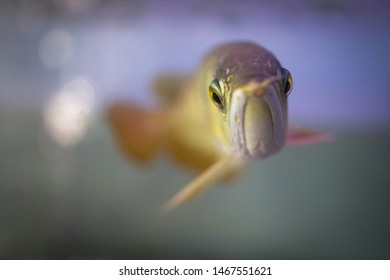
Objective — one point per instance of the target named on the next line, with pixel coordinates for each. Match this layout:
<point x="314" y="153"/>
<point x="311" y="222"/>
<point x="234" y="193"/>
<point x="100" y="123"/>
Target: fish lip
<point x="264" y="147"/>
<point x="235" y="122"/>
<point x="278" y="118"/>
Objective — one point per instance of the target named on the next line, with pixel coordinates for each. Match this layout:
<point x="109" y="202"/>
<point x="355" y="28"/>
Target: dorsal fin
<point x="169" y="87"/>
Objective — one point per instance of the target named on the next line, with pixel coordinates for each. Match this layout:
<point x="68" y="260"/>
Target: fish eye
<point x="215" y="94"/>
<point x="287" y="81"/>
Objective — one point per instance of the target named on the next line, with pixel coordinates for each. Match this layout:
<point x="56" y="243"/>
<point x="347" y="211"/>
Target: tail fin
<point x="140" y="134"/>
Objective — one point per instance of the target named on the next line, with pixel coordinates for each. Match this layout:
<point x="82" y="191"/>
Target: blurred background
<point x="66" y="192"/>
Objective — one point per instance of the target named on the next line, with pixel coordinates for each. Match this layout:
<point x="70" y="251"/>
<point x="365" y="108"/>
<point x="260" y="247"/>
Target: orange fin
<point x="303" y="136"/>
<point x="140" y="134"/>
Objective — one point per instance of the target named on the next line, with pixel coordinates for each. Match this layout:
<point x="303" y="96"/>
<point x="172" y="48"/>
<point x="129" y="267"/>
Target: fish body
<point x="233" y="110"/>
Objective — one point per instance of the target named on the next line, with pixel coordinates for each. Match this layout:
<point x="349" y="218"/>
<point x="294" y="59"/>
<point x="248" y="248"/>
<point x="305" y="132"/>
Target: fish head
<point x="252" y="119"/>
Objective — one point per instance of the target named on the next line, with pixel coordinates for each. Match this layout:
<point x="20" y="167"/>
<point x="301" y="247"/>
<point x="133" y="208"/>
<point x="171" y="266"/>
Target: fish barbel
<point x="232" y="111"/>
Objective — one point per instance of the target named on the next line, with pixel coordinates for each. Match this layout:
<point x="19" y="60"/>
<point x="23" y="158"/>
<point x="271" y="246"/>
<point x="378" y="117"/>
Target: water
<point x="66" y="191"/>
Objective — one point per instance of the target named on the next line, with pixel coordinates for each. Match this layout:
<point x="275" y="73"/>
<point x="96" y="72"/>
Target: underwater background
<point x="66" y="192"/>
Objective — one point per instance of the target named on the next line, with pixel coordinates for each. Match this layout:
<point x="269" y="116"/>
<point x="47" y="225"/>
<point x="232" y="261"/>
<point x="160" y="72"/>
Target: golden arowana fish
<point x="232" y="111"/>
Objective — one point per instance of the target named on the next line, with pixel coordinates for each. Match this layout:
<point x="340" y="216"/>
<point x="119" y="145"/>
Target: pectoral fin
<point x="207" y="179"/>
<point x="303" y="136"/>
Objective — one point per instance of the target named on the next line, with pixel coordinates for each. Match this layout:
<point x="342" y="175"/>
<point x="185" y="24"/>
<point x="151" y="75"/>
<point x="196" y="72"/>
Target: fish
<point x="232" y="111"/>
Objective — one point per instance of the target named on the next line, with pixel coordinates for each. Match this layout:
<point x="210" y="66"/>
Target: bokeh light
<point x="67" y="114"/>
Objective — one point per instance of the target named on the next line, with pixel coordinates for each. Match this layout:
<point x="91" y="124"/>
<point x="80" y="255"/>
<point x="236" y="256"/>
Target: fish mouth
<point x="257" y="123"/>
